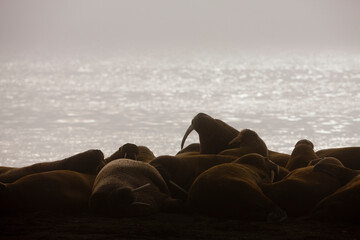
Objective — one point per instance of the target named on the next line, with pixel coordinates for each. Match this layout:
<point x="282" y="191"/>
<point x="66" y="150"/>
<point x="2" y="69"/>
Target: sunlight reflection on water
<point x="53" y="109"/>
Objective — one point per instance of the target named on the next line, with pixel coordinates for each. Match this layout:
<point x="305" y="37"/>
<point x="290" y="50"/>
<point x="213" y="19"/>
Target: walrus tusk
<point x="315" y="161"/>
<point x="236" y="139"/>
<point x="274" y="169"/>
<point x="272" y="176"/>
<point x="2" y="186"/>
<point x="125" y="155"/>
<point x="188" y="131"/>
<point x="178" y="187"/>
<point x="140" y="204"/>
<point x="141" y="187"/>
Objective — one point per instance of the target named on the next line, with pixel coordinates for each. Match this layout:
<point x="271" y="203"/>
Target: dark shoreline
<point x="165" y="226"/>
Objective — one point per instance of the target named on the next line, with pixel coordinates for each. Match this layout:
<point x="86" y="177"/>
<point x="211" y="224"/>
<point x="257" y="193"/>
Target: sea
<point x="54" y="107"/>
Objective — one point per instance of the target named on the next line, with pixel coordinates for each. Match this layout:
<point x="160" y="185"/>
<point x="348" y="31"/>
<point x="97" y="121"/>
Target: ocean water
<point x="53" y="108"/>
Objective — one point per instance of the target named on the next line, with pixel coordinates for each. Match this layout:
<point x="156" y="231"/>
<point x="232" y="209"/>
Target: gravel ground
<point x="165" y="226"/>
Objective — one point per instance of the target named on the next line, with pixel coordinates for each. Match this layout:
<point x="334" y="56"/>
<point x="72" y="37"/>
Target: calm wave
<point x="52" y="109"/>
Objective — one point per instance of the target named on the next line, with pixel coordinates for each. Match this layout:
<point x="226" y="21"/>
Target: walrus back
<point x="59" y="191"/>
<point x="86" y="162"/>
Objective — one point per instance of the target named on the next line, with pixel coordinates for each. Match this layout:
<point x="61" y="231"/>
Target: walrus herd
<point x="228" y="174"/>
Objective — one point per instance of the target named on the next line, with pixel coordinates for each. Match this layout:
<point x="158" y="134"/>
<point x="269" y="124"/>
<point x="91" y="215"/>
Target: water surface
<point x="54" y="108"/>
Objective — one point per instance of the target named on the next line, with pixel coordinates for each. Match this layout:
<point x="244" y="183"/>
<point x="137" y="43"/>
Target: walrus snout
<point x="120" y="197"/>
<point x="95" y="154"/>
<point x="119" y="202"/>
<point x="276" y="215"/>
<point x="111" y="203"/>
<point x="98" y="152"/>
<point x="96" y="202"/>
<point x="129" y="151"/>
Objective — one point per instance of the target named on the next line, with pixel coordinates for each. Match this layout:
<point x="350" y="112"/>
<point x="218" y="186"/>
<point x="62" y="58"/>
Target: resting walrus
<point x="302" y="154"/>
<point x="232" y="190"/>
<point x="127" y="187"/>
<point x="247" y="141"/>
<point x="214" y="134"/>
<point x="179" y="172"/>
<point x="300" y="191"/>
<point x="59" y="190"/>
<point x="85" y="162"/>
<point x="349" y="156"/>
<point x="342" y="205"/>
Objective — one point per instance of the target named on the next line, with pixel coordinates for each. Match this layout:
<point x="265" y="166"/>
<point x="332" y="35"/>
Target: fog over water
<point x="111" y="73"/>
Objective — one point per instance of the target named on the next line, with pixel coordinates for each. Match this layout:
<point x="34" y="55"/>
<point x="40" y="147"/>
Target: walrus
<point x="62" y="191"/>
<point x="302" y="154"/>
<point x="179" y="172"/>
<point x="342" y="205"/>
<point x="126" y="187"/>
<point x="85" y="162"/>
<point x="247" y="141"/>
<point x="349" y="156"/>
<point x="132" y="151"/>
<point x="300" y="191"/>
<point x="280" y="159"/>
<point x="214" y="134"/>
<point x="231" y="190"/>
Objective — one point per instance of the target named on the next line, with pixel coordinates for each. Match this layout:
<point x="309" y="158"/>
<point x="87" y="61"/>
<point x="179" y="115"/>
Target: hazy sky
<point x="52" y="24"/>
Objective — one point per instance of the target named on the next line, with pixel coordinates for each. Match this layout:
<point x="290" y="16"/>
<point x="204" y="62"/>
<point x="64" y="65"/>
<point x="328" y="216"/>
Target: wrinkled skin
<point x="127" y="187"/>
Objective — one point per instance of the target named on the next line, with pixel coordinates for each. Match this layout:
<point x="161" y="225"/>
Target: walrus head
<point x="304" y="142"/>
<point x="85" y="162"/>
<point x="248" y="137"/>
<point x="244" y="136"/>
<point x="128" y="150"/>
<point x="118" y="202"/>
<point x="265" y="166"/>
<point x="214" y="134"/>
